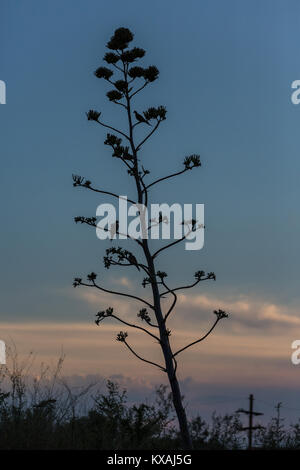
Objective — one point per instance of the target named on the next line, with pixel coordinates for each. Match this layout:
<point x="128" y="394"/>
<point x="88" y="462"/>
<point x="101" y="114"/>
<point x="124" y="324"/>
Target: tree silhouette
<point x="131" y="81"/>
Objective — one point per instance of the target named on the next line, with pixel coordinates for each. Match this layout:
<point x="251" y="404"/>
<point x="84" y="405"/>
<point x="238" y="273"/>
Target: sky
<point x="226" y="70"/>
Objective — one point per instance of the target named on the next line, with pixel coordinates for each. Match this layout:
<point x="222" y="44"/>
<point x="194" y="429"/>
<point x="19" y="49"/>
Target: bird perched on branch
<point x="132" y="259"/>
<point x="141" y="118"/>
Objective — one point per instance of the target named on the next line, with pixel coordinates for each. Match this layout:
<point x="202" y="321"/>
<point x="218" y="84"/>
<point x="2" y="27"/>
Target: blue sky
<point x="226" y="70"/>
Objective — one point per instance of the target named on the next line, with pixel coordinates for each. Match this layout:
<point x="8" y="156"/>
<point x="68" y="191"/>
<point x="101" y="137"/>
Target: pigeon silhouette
<point x="141" y="118"/>
<point x="132" y="259"/>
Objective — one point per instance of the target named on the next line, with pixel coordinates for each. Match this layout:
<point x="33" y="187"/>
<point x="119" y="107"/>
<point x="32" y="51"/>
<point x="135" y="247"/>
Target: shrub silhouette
<point x="47" y="413"/>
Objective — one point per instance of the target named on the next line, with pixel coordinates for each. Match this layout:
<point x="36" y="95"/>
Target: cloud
<point x="244" y="311"/>
<point x="123" y="281"/>
<point x="253" y="346"/>
<point x="273" y="313"/>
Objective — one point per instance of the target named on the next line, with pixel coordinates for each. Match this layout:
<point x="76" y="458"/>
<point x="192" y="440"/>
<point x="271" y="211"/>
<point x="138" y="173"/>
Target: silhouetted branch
<point x="113" y="129"/>
<point x="120" y="104"/>
<point x="143" y="314"/>
<point x="149" y="135"/>
<point x="174" y="300"/>
<point x="142" y="359"/>
<point x="91" y="221"/>
<point x="117" y="67"/>
<point x="144" y="191"/>
<point x="140" y="265"/>
<point x="138" y="90"/>
<point x="166" y="177"/>
<point x="88" y="186"/>
<point x="171" y="244"/>
<point x="198" y="340"/>
<point x="220" y="314"/>
<point x="136" y="124"/>
<point x="122" y="255"/>
<point x="168" y="246"/>
<point x="192" y="229"/>
<point x="124" y="295"/>
<point x="114" y="292"/>
<point x="190" y="162"/>
<point x="132" y="325"/>
<point x="175" y="368"/>
<point x="108" y="313"/>
<point x="198" y="279"/>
